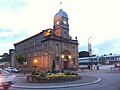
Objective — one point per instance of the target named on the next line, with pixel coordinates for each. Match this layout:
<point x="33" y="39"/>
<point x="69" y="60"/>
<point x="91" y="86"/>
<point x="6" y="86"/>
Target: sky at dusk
<point x="99" y="19"/>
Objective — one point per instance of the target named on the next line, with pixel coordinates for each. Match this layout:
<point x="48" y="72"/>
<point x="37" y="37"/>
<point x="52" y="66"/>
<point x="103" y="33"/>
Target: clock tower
<point x="61" y="26"/>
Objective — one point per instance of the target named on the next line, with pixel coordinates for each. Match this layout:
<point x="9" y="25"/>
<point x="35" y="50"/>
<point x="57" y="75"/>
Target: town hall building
<point x="51" y="46"/>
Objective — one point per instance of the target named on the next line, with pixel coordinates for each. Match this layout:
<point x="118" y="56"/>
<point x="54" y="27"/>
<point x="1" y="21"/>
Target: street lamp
<point x="35" y="63"/>
<point x="25" y="66"/>
<point x="90" y="46"/>
<point x="62" y="56"/>
<point x="90" y="51"/>
<point x="69" y="57"/>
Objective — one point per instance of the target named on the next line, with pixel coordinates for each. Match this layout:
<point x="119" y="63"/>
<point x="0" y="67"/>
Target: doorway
<point x="66" y="62"/>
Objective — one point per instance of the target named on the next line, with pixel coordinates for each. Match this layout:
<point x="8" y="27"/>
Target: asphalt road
<point x="110" y="81"/>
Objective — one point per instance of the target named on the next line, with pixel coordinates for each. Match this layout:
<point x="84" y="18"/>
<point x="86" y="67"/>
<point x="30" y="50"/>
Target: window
<point x="65" y="34"/>
<point x="45" y="47"/>
<point x="34" y="46"/>
<point x="56" y="47"/>
<point x="57" y="62"/>
<point x="73" y="61"/>
<point x="73" y="50"/>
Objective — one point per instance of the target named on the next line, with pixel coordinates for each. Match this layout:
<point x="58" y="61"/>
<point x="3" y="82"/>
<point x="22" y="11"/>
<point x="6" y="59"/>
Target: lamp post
<point x="35" y="63"/>
<point x="90" y="51"/>
<point x="25" y="67"/>
<point x="62" y="57"/>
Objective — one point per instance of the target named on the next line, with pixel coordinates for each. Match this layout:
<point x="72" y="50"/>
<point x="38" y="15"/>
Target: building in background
<point x="107" y="60"/>
<point x="6" y="59"/>
<point x="51" y="46"/>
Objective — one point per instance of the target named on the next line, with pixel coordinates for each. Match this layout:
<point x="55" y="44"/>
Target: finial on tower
<point x="61" y="4"/>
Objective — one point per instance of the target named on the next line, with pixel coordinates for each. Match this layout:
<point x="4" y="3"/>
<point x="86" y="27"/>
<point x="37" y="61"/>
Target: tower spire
<point x="60" y="4"/>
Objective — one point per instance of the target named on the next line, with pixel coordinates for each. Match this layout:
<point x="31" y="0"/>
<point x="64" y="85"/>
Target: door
<point x="65" y="64"/>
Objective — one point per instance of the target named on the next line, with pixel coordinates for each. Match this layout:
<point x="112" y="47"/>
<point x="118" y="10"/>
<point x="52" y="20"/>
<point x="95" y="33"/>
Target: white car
<point x="6" y="79"/>
<point x="11" y="69"/>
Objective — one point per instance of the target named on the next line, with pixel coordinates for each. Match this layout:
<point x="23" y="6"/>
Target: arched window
<point x="73" y="50"/>
<point x="73" y="61"/>
<point x="45" y="47"/>
<point x="56" y="47"/>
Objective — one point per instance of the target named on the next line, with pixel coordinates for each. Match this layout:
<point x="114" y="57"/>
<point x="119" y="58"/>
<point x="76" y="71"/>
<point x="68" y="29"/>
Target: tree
<point x="53" y="66"/>
<point x="102" y="60"/>
<point x="1" y="59"/>
<point x="83" y="54"/>
<point x="110" y="54"/>
<point x="21" y="59"/>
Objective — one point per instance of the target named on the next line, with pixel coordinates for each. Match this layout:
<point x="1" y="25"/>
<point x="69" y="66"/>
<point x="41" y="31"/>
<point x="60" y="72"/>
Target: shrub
<point x="56" y="75"/>
<point x="66" y="72"/>
<point x="45" y="77"/>
<point x="57" y="70"/>
<point x="73" y="73"/>
<point x="35" y="73"/>
<point x="42" y="74"/>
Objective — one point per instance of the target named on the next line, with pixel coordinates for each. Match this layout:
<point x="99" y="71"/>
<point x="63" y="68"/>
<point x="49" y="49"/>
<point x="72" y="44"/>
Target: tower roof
<point x="61" y="13"/>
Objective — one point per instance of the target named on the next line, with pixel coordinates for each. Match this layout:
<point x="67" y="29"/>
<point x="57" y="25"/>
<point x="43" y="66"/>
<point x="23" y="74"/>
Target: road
<point x="110" y="81"/>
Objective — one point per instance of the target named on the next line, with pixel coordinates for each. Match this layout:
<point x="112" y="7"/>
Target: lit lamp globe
<point x="35" y="60"/>
<point x="69" y="57"/>
<point x="62" y="56"/>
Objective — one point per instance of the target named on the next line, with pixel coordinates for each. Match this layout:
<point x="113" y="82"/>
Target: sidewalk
<point x="85" y="80"/>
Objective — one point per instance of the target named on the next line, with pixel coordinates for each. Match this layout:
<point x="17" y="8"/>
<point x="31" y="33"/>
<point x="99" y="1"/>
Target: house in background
<point x="6" y="59"/>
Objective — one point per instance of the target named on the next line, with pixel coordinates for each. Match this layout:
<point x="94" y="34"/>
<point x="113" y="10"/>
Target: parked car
<point x="11" y="69"/>
<point x="117" y="65"/>
<point x="6" y="79"/>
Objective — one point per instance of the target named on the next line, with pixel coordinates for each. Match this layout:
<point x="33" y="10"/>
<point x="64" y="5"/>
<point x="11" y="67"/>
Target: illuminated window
<point x="47" y="32"/>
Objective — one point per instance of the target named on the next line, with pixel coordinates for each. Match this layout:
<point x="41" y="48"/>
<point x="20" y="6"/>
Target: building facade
<point x="51" y="45"/>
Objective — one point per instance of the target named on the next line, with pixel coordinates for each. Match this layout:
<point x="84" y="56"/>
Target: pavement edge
<point x="61" y="86"/>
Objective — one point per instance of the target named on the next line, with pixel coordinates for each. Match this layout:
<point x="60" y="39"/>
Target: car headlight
<point x="1" y="79"/>
<point x="14" y="76"/>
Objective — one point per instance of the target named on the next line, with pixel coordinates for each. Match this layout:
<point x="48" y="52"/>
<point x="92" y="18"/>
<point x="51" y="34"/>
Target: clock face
<point x="64" y="22"/>
<point x="57" y="22"/>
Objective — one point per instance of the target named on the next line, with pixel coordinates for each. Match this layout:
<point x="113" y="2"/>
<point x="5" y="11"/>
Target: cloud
<point x="104" y="47"/>
<point x="9" y="37"/>
<point x="109" y="46"/>
<point x="12" y="5"/>
<point x="87" y="18"/>
<point x="5" y="30"/>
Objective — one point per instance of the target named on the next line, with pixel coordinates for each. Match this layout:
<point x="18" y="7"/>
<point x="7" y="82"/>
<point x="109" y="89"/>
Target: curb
<point x="61" y="86"/>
